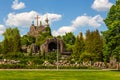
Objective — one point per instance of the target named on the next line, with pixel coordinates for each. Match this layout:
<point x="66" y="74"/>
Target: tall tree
<point x="11" y="41"/>
<point x="112" y="35"/>
<point x="16" y="40"/>
<point x="93" y="45"/>
<point x="1" y="47"/>
<point x="78" y="47"/>
<point x="7" y="41"/>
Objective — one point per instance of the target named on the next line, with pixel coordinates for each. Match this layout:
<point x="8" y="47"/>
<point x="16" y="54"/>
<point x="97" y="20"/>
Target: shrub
<point x="38" y="61"/>
<point x="14" y="55"/>
<point x="12" y="66"/>
<point x="52" y="56"/>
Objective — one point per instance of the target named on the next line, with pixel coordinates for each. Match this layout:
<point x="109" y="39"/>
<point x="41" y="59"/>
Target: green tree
<point x="24" y="40"/>
<point x="69" y="40"/>
<point x="43" y="36"/>
<point x="11" y="41"/>
<point x="93" y="45"/>
<point x="78" y="47"/>
<point x="48" y="31"/>
<point x="112" y="35"/>
<point x="7" y="45"/>
<point x="1" y="48"/>
<point x="16" y="40"/>
<point x="27" y="40"/>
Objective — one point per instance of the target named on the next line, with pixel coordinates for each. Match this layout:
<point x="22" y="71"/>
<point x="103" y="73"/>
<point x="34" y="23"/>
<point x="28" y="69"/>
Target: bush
<point x="38" y="61"/>
<point x="73" y="67"/>
<point x="12" y="66"/>
<point x="24" y="61"/>
<point x="14" y="55"/>
<point x="52" y="56"/>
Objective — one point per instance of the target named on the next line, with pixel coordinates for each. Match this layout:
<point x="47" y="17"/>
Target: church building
<point x="50" y="45"/>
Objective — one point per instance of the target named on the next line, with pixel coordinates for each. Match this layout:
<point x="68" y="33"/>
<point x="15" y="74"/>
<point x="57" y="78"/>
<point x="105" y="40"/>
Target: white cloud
<point x="63" y="30"/>
<point x="51" y="16"/>
<point x="18" y="5"/>
<point x="2" y="29"/>
<point x="80" y="21"/>
<point x="21" y="19"/>
<point x="25" y="19"/>
<point x="101" y="5"/>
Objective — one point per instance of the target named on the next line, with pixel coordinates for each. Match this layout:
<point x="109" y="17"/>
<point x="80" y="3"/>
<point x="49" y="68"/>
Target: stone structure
<point x="34" y="30"/>
<point x="51" y="45"/>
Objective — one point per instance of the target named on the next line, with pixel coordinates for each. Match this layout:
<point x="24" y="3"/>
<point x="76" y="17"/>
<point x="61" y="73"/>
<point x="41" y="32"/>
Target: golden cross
<point x="37" y="19"/>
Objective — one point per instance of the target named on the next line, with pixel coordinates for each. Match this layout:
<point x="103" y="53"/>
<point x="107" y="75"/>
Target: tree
<point x="27" y="40"/>
<point x="1" y="48"/>
<point x="11" y="41"/>
<point x="48" y="31"/>
<point x="98" y="46"/>
<point x="78" y="47"/>
<point x="112" y="35"/>
<point x="69" y="40"/>
<point x="24" y="40"/>
<point x="16" y="40"/>
<point x="93" y="45"/>
<point x="43" y="36"/>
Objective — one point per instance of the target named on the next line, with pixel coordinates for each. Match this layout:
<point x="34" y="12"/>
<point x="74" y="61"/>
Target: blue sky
<point x="64" y="15"/>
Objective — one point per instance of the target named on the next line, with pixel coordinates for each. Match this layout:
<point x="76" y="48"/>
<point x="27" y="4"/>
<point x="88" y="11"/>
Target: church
<point x="50" y="45"/>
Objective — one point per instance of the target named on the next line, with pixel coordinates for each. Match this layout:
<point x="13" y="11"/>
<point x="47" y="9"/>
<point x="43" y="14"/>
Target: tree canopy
<point x="43" y="36"/>
<point x="93" y="45"/>
<point x="112" y="35"/>
<point x="11" y="41"/>
<point x="78" y="47"/>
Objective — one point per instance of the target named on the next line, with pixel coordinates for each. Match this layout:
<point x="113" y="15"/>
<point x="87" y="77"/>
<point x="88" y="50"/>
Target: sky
<point x="64" y="15"/>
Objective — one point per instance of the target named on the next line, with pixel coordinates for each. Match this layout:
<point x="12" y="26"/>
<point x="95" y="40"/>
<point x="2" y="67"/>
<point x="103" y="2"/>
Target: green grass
<point x="58" y="75"/>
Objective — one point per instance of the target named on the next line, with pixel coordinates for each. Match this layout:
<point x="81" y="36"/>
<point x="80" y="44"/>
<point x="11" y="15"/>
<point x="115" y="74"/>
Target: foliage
<point x="93" y="45"/>
<point x="112" y="35"/>
<point x="11" y="41"/>
<point x="85" y="56"/>
<point x="27" y="40"/>
<point x="48" y="31"/>
<point x="38" y="61"/>
<point x="69" y="38"/>
<point x="1" y="48"/>
<point x="12" y="66"/>
<point x="13" y="55"/>
<point x="78" y="47"/>
<point x="52" y="56"/>
<point x="69" y="47"/>
<point x="43" y="36"/>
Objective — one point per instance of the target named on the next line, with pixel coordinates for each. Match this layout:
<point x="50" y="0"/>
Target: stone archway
<point x="52" y="47"/>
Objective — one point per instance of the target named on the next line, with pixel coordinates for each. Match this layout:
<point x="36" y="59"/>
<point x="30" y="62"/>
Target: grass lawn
<point x="58" y="75"/>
